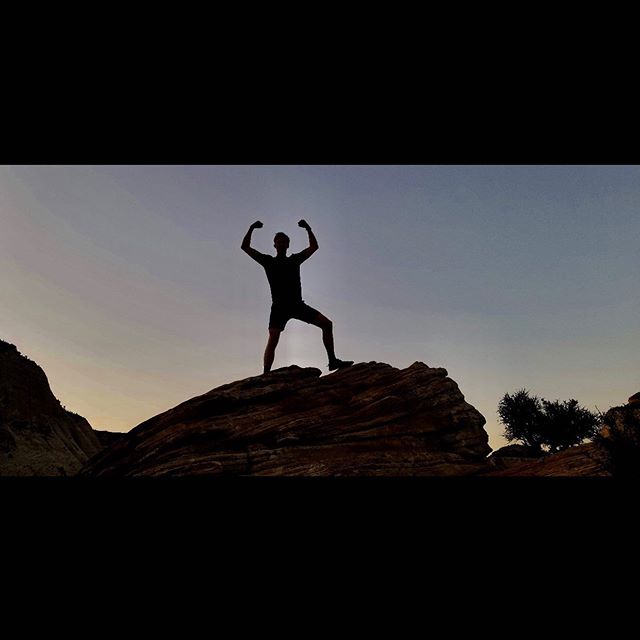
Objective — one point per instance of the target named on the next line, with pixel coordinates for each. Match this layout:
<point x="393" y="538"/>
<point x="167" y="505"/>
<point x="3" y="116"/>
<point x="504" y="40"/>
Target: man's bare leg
<point x="270" y="351"/>
<point x="327" y="339"/>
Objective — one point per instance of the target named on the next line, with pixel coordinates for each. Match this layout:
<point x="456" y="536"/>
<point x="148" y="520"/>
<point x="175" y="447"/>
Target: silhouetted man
<point x="283" y="273"/>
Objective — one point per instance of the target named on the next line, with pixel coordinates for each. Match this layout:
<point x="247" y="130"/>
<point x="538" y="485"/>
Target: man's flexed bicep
<point x="246" y="244"/>
<point x="305" y="254"/>
<point x="256" y="255"/>
<point x="313" y="243"/>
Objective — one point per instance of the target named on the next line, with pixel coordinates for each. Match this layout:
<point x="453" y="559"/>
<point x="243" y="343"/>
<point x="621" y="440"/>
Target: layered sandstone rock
<point x="585" y="460"/>
<point x="38" y="437"/>
<point x="513" y="454"/>
<point x="368" y="420"/>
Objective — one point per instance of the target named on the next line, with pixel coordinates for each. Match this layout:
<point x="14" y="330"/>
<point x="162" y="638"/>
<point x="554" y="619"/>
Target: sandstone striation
<point x="368" y="420"/>
<point x="585" y="460"/>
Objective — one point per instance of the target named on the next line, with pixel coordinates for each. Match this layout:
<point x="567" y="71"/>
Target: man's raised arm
<point x="246" y="241"/>
<point x="313" y="243"/>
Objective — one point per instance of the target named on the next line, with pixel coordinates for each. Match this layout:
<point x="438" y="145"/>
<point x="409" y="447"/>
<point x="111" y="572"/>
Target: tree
<point x="522" y="418"/>
<point x="567" y="423"/>
<point x="537" y="422"/>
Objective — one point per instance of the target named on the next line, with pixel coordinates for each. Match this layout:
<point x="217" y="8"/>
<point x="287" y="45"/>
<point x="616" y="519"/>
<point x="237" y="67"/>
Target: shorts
<point x="281" y="314"/>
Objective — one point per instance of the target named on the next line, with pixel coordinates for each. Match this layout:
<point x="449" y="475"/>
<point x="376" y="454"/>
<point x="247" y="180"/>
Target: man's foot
<point x="339" y="364"/>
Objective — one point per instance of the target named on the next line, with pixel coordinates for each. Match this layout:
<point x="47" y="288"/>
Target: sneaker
<point x="339" y="364"/>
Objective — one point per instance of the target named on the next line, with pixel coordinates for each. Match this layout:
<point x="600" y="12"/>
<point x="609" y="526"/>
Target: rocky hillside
<point x="368" y="420"/>
<point x="37" y="436"/>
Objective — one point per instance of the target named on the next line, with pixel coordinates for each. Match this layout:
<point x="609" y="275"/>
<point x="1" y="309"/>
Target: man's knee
<point x="324" y="323"/>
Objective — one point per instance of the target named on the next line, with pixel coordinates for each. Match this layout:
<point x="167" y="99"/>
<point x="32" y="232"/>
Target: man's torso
<point x="283" y="274"/>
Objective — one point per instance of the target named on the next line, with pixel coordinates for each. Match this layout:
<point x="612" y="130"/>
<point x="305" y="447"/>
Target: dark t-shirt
<point x="284" y="277"/>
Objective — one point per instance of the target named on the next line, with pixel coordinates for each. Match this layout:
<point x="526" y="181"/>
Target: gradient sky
<point x="127" y="284"/>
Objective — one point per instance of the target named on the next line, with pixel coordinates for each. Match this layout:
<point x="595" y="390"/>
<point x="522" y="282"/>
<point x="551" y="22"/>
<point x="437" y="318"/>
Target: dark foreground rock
<point x="620" y="439"/>
<point x="585" y="460"/>
<point x="512" y="455"/>
<point x="108" y="438"/>
<point x="368" y="420"/>
<point x="38" y="437"/>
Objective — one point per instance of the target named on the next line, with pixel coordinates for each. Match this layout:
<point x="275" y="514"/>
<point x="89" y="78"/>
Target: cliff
<point x="38" y="437"/>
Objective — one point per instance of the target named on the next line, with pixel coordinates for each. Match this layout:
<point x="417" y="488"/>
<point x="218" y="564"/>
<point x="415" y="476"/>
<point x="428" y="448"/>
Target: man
<point x="283" y="273"/>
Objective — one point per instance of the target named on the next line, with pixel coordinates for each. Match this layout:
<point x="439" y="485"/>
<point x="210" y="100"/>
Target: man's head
<point x="281" y="241"/>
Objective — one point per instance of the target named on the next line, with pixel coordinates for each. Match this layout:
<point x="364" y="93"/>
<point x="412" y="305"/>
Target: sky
<point x="127" y="284"/>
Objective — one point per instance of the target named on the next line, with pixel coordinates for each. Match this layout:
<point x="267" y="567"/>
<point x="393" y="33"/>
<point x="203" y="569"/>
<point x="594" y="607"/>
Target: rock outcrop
<point x="38" y="437"/>
<point x="620" y="438"/>
<point x="368" y="420"/>
<point x="623" y="421"/>
<point x="585" y="460"/>
<point x="513" y="454"/>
